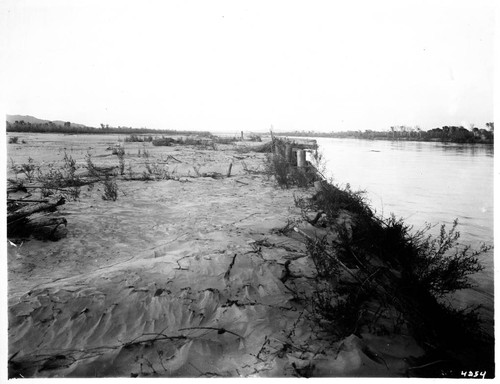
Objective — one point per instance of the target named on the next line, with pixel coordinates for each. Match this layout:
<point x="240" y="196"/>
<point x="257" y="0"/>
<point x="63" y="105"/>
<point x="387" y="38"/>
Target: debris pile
<point x="29" y="217"/>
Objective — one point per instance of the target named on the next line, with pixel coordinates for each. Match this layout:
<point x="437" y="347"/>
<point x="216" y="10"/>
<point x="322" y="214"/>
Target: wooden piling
<point x="301" y="158"/>
<point x="277" y="151"/>
<point x="288" y="153"/>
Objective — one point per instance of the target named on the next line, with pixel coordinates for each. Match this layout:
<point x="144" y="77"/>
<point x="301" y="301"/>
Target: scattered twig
<point x="220" y="331"/>
<point x="226" y="275"/>
<point x="266" y="341"/>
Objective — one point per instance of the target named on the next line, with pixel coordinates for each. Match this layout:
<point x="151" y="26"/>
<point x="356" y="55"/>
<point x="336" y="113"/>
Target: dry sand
<point x="176" y="278"/>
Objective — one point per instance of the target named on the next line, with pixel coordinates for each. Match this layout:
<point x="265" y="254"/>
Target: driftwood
<point x="28" y="210"/>
<point x="60" y="185"/>
<point x="30" y="220"/>
<point x="26" y="201"/>
<point x="40" y="227"/>
<point x="46" y="228"/>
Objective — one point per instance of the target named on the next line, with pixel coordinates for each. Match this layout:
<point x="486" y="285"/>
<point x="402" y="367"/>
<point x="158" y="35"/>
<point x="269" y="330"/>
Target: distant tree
<point x="67" y="124"/>
<point x="403" y="130"/>
<point x="419" y="131"/>
<point x="490" y="126"/>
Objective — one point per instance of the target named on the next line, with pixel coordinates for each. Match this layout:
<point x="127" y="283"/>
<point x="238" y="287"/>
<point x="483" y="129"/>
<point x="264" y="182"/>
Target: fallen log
<point x="28" y="210"/>
<point x="61" y="184"/>
<point x="26" y="201"/>
<point x="41" y="228"/>
<point x="46" y="228"/>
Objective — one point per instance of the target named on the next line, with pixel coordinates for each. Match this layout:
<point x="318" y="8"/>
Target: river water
<point x="426" y="182"/>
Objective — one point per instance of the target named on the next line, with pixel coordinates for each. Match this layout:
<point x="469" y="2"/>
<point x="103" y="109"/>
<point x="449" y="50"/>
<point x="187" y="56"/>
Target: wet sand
<point x="188" y="278"/>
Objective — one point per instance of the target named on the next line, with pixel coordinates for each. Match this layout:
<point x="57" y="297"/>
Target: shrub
<point x="205" y="143"/>
<point x="29" y="169"/>
<point x="134" y="139"/>
<point x="13" y="140"/>
<point x="254" y="137"/>
<point x="287" y="175"/>
<point x="278" y="167"/>
<point x="91" y="168"/>
<point x="120" y="152"/>
<point x="224" y="140"/>
<point x="371" y="263"/>
<point x="334" y="199"/>
<point x="110" y="190"/>
<point x="70" y="168"/>
<point x="62" y="179"/>
<point x="439" y="265"/>
<point x="164" y="141"/>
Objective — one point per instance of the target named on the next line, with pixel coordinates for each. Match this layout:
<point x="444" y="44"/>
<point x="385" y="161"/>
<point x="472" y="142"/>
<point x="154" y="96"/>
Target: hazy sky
<point x="247" y="65"/>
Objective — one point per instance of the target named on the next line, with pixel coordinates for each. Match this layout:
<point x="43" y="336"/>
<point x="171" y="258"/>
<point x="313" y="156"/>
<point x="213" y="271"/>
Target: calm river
<point x="425" y="183"/>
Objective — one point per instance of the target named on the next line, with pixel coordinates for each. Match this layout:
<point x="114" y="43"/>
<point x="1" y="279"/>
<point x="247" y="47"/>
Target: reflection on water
<point x="468" y="149"/>
<point x="425" y="183"/>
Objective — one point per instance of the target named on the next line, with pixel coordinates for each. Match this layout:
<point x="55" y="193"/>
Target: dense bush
<point x="164" y="141"/>
<point x="138" y="139"/>
<point x="255" y="137"/>
<point x="369" y="262"/>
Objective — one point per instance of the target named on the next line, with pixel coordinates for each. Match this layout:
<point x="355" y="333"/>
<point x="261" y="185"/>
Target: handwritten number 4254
<point x="473" y="374"/>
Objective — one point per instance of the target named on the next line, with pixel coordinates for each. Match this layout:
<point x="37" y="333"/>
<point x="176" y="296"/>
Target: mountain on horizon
<point x="34" y="120"/>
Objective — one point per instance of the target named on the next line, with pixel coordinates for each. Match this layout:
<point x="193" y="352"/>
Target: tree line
<point x="68" y="128"/>
<point x="453" y="134"/>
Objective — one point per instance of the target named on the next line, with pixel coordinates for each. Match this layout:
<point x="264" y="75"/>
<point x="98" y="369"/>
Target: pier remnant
<point x="288" y="153"/>
<point x="301" y="158"/>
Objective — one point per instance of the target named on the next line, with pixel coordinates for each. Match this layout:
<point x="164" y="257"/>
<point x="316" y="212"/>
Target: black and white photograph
<point x="248" y="189"/>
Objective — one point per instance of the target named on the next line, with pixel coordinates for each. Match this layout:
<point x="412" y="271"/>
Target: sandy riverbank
<point x="181" y="278"/>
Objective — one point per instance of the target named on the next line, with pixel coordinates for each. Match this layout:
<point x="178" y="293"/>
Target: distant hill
<point x="34" y="120"/>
